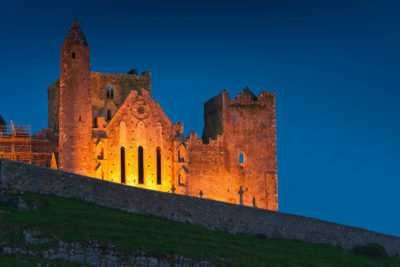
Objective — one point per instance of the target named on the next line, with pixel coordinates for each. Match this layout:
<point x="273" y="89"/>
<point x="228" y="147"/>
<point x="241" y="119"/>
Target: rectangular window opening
<point x="241" y="158"/>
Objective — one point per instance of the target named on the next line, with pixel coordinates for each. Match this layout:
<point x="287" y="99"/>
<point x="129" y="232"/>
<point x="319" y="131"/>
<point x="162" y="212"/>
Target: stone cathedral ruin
<point x="109" y="127"/>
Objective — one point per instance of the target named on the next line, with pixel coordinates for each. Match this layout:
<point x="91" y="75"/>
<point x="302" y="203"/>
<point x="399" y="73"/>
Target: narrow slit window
<point x="108" y="92"/>
<point x="158" y="165"/>
<point x="112" y="93"/>
<point x="108" y="114"/>
<point x="122" y="165"/>
<point x="235" y="117"/>
<point x="241" y="158"/>
<point x="140" y="165"/>
<point x="73" y="55"/>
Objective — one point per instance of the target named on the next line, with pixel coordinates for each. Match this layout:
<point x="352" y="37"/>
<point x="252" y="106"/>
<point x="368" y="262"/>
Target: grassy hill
<point x="33" y="226"/>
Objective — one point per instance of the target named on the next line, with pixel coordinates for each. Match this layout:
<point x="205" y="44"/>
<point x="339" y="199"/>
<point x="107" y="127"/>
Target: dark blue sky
<point x="334" y="67"/>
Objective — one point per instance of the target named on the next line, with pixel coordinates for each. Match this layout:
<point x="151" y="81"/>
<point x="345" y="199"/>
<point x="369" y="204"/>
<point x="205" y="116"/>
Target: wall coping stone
<point x="211" y="214"/>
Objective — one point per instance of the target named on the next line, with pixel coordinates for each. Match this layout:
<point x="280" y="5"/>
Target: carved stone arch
<point x="140" y="124"/>
<point x="140" y="132"/>
<point x="122" y="132"/>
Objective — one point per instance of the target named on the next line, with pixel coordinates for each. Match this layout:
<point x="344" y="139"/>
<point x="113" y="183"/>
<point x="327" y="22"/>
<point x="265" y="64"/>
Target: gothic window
<point x="241" y="158"/>
<point x="108" y="114"/>
<point x="140" y="165"/>
<point x="73" y="55"/>
<point x="123" y="165"/>
<point x="158" y="165"/>
<point x="180" y="159"/>
<point x="110" y="92"/>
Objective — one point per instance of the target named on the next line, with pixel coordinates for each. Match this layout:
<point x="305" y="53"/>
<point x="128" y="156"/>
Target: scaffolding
<point x="17" y="143"/>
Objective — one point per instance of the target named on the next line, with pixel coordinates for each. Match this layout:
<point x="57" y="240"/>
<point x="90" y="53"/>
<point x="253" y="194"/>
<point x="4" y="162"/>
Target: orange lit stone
<point x="100" y="134"/>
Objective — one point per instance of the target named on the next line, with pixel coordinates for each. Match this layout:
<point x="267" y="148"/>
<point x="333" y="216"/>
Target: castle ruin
<point x="109" y="127"/>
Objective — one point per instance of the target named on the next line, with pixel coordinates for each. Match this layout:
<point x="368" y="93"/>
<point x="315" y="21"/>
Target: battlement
<point x="194" y="140"/>
<point x="221" y="109"/>
<point x="247" y="98"/>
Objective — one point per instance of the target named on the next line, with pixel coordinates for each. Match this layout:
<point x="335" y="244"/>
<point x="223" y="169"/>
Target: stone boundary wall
<point x="202" y="212"/>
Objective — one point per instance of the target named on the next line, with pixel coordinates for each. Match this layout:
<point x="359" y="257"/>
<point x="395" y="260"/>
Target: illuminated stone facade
<point x="110" y="128"/>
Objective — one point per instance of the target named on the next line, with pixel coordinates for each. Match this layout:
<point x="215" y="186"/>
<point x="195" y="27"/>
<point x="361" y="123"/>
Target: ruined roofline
<point x="212" y="142"/>
<point x="246" y="91"/>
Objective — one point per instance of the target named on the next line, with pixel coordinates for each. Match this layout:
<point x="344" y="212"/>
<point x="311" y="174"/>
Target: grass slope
<point x="73" y="220"/>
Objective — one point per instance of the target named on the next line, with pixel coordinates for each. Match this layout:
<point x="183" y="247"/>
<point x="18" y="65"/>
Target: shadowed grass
<point x="73" y="220"/>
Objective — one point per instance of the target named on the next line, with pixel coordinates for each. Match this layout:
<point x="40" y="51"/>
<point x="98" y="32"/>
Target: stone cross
<point x="201" y="194"/>
<point x="241" y="195"/>
<point x="173" y="189"/>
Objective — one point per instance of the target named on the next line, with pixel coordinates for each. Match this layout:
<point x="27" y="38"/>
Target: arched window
<point x="122" y="165"/>
<point x="140" y="165"/>
<point x="108" y="92"/>
<point x="158" y="165"/>
<point x="112" y="93"/>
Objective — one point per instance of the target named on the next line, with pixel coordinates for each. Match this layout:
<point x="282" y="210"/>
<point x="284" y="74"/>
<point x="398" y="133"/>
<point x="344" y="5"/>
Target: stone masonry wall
<point x="236" y="162"/>
<point x="202" y="212"/>
<point x="122" y="84"/>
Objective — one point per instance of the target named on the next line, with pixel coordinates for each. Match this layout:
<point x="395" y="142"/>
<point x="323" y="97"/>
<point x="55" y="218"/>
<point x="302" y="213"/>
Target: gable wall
<point x="149" y="130"/>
